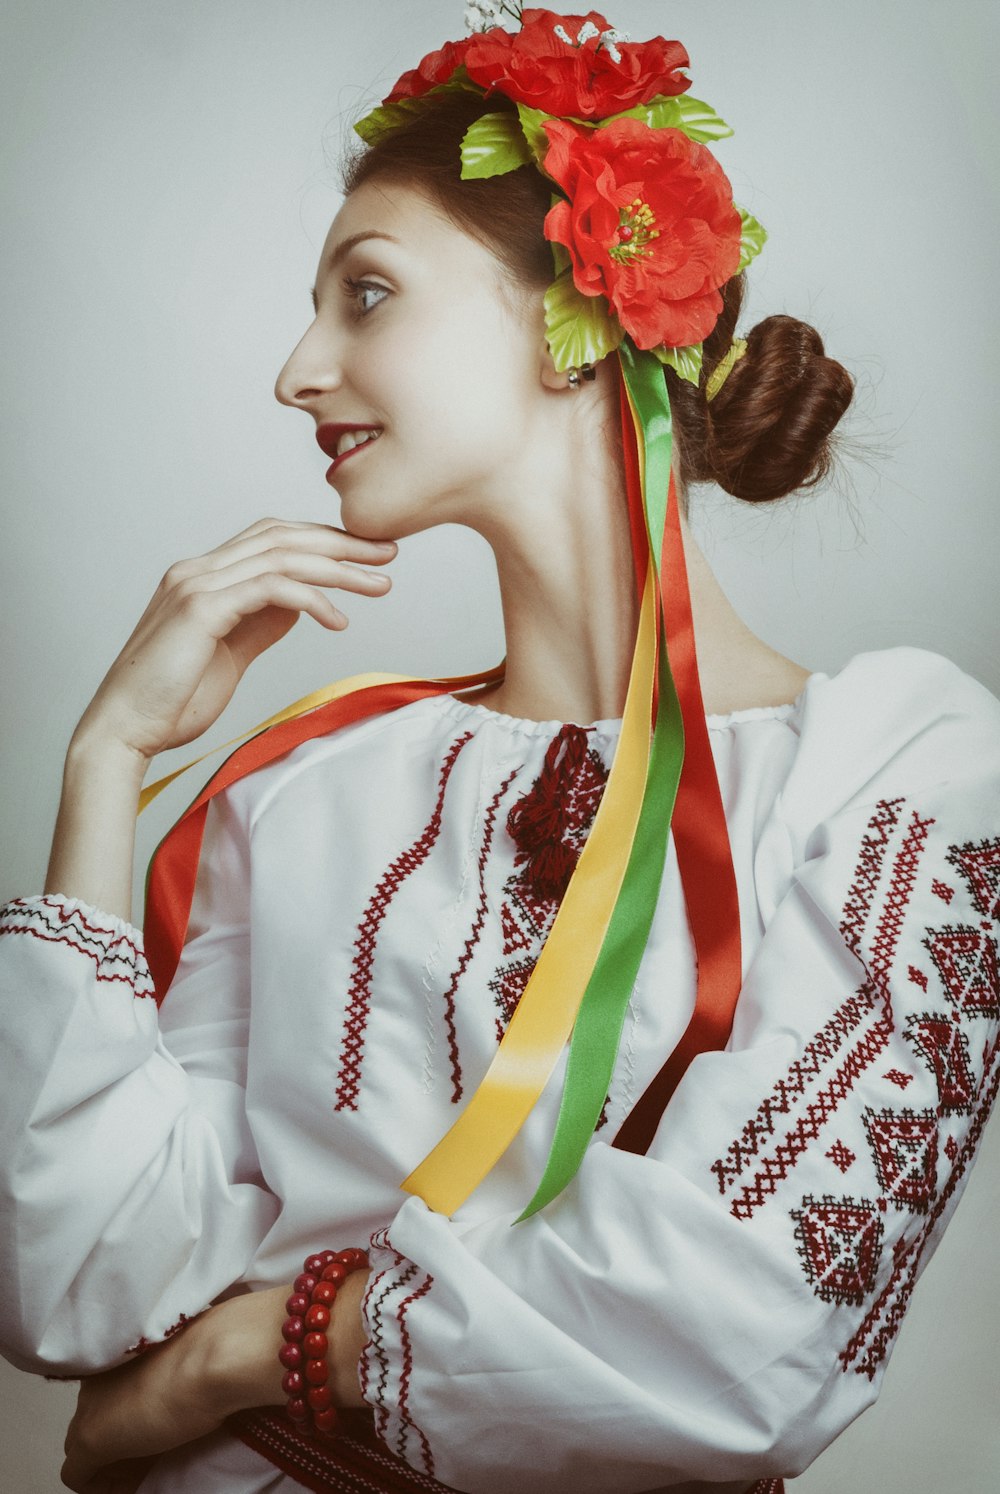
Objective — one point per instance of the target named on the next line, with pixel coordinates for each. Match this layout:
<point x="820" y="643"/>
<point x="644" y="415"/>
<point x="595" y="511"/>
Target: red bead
<point x="328" y="1256"/>
<point x="293" y="1328"/>
<point x="317" y="1371"/>
<point x="315" y="1345"/>
<point x="314" y="1265"/>
<point x="305" y="1282"/>
<point x="335" y="1271"/>
<point x="319" y="1397"/>
<point x="326" y="1293"/>
<point x="292" y="1383"/>
<point x="297" y="1304"/>
<point x="291" y="1356"/>
<point x="353" y="1257"/>
<point x="297" y="1410"/>
<point x="624" y="233"/>
<point x="316" y="1318"/>
<point x="326" y="1421"/>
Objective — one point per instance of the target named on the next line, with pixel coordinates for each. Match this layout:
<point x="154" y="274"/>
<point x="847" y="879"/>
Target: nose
<point x="312" y="371"/>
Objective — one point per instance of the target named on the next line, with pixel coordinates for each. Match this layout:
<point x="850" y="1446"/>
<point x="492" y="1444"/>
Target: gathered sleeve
<point x="724" y="1306"/>
<point x="131" y="1193"/>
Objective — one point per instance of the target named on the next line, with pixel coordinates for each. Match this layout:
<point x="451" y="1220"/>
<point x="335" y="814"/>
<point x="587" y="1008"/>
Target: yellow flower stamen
<point x="635" y="231"/>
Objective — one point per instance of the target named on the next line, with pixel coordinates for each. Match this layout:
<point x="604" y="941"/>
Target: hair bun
<point x="767" y="432"/>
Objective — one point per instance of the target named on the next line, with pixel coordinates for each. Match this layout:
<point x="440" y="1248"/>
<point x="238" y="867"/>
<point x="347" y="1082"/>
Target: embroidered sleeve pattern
<point x="144" y="1158"/>
<point x="392" y="1291"/>
<point x="113" y="947"/>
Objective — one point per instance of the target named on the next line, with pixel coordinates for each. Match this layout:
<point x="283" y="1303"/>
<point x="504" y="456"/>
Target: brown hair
<point x="768" y="430"/>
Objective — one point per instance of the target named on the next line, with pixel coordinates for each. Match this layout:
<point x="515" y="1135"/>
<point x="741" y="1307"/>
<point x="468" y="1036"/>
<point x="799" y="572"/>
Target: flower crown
<point x="643" y="226"/>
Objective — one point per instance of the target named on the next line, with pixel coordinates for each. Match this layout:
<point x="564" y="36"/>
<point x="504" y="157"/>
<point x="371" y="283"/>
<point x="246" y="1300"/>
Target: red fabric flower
<point x="436" y="67"/>
<point x="537" y="67"/>
<point x="650" y="224"/>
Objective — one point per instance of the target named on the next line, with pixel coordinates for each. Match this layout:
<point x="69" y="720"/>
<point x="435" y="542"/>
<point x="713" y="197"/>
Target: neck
<point x="571" y="613"/>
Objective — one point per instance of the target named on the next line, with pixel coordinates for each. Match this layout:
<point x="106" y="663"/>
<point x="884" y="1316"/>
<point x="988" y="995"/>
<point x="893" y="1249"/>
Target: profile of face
<point x="415" y="334"/>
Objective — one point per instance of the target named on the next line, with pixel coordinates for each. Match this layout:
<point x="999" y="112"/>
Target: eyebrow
<point x="344" y="248"/>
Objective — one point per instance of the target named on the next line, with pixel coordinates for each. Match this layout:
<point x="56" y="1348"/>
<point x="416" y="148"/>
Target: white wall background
<point x="166" y="193"/>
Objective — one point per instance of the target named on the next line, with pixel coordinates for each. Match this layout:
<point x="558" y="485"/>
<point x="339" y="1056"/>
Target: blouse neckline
<point x="471" y="711"/>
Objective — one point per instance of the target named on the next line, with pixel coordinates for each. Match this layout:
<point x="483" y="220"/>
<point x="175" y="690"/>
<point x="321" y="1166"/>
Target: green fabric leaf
<point x="753" y="240"/>
<point x="580" y="329"/>
<point x="697" y="119"/>
<point x="560" y="254"/>
<point x="685" y="361"/>
<point x="385" y="117"/>
<point x="493" y="144"/>
<point x="531" y="125"/>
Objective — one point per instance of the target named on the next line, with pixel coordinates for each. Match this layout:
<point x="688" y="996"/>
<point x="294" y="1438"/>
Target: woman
<point x="841" y="833"/>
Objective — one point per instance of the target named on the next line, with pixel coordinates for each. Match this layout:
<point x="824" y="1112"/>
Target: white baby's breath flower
<point x="484" y="15"/>
<point x="608" y="40"/>
<point x="563" y="35"/>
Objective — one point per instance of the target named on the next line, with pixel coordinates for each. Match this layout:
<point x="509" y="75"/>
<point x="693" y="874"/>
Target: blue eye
<point x="357" y="290"/>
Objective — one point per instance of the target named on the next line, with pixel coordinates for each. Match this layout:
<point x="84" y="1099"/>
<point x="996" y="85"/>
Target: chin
<point x="385" y="523"/>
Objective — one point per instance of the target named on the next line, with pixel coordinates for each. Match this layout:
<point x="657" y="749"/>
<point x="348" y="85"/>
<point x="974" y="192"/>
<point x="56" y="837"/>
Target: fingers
<point x="222" y="608"/>
<point x="310" y="554"/>
<point x="265" y="534"/>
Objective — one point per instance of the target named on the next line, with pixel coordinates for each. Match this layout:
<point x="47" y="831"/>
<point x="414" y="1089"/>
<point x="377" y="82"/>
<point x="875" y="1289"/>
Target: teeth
<point x="350" y="439"/>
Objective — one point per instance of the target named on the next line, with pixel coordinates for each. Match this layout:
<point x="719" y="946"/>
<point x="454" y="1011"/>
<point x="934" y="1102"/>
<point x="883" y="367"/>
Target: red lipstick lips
<point x="328" y="436"/>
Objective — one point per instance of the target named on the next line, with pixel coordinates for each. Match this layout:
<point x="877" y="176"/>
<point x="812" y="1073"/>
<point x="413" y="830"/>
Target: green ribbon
<point x="598" y="1027"/>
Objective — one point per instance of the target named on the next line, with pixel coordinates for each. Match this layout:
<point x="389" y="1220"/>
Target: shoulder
<point x="898" y="722"/>
<point x="353" y="758"/>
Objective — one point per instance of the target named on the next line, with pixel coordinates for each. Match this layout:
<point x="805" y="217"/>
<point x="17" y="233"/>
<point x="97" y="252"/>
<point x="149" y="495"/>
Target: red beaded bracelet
<point x="303" y="1354"/>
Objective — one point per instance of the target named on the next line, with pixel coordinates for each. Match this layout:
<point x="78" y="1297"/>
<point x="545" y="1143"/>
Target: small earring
<point x="587" y="371"/>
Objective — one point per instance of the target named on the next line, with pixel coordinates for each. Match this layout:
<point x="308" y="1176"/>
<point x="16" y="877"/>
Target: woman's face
<point x="414" y="337"/>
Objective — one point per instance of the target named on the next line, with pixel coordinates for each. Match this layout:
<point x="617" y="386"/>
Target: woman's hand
<point x="225" y="1361"/>
<point x="211" y="616"/>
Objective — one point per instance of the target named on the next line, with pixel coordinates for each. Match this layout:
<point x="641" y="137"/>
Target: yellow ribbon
<point x="544" y="1016"/>
<point x="299" y="707"/>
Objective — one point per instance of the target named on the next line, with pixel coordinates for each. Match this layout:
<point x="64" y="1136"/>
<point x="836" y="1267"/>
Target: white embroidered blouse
<point x="364" y="922"/>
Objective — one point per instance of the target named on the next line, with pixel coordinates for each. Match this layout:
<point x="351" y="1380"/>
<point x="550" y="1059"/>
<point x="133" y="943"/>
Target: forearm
<point x="234" y="1347"/>
<point x="93" y="846"/>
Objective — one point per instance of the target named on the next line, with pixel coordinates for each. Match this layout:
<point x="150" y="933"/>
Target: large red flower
<point x="436" y="67"/>
<point x="538" y="67"/>
<point x="650" y="224"/>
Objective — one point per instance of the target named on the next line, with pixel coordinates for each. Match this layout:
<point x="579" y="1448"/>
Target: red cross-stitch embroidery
<point x="978" y="863"/>
<point x="774" y="1168"/>
<point x="359" y="993"/>
<point x="870" y="1343"/>
<point x="840" y="1240"/>
<point x="966" y="959"/>
<point x="896" y="1076"/>
<point x="945" y="1050"/>
<point x="874" y="845"/>
<point x="470" y="943"/>
<point x="841" y="1156"/>
<point x="549" y="825"/>
<point x="904" y="1145"/>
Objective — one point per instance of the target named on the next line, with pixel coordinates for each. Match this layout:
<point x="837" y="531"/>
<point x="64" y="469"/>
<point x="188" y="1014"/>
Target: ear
<point x="547" y="369"/>
<point x="550" y="378"/>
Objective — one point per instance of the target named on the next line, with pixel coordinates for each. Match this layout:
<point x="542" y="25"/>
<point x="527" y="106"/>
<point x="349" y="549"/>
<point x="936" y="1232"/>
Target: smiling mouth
<point x="350" y="439"/>
<point x="342" y="443"/>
